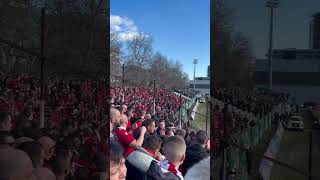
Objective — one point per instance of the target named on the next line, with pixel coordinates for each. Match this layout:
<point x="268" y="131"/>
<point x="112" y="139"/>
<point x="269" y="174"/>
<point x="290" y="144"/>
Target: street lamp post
<point x="195" y="61"/>
<point x="271" y="4"/>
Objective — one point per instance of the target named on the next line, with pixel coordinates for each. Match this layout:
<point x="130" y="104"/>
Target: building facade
<point x="201" y="84"/>
<point x="314" y="32"/>
<point x="296" y="71"/>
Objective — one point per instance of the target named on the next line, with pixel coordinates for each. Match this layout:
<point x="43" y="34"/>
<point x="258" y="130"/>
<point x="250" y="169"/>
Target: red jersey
<point x="125" y="139"/>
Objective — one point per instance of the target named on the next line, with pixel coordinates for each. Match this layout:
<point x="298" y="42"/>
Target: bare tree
<point x="167" y="73"/>
<point x="159" y="68"/>
<point x="115" y="57"/>
<point x="140" y="52"/>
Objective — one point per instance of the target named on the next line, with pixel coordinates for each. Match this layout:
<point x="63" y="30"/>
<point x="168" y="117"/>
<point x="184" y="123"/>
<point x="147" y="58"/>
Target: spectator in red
<point x="115" y="117"/>
<point x="128" y="142"/>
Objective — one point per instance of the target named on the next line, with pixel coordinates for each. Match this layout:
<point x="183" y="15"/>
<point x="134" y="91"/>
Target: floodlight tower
<point x="272" y="4"/>
<point x="195" y="61"/>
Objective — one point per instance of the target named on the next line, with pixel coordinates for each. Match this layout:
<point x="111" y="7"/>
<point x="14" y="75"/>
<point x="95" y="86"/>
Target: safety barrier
<point x="266" y="166"/>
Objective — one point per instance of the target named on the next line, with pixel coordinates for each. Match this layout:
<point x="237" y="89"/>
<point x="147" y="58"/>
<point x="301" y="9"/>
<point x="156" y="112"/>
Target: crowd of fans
<point x="150" y="146"/>
<point x="140" y="99"/>
<point x="74" y="144"/>
<point x="240" y="109"/>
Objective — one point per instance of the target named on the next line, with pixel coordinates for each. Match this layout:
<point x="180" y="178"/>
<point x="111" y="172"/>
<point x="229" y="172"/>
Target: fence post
<point x="42" y="64"/>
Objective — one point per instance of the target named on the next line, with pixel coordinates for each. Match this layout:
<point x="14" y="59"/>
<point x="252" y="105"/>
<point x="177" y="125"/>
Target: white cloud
<point x="123" y="27"/>
<point x="116" y="28"/>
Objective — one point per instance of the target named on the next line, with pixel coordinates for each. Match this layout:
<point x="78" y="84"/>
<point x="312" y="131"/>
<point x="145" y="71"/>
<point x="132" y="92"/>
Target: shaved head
<point x="15" y="164"/>
<point x="124" y="119"/>
<point x="115" y="116"/>
<point x="174" y="149"/>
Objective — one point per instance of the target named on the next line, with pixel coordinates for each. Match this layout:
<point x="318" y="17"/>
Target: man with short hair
<point x="150" y="124"/>
<point x="138" y="162"/>
<point x="15" y="165"/>
<point x="175" y="151"/>
<point x="126" y="139"/>
<point x="5" y="121"/>
<point x="201" y="138"/>
<point x="115" y="117"/>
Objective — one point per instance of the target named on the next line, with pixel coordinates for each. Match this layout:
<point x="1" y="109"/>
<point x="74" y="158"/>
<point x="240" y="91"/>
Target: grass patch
<point x="199" y="121"/>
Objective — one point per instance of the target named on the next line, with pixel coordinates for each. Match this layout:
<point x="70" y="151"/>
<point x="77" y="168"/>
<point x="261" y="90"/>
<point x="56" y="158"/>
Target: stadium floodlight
<point x="195" y="61"/>
<point x="271" y="4"/>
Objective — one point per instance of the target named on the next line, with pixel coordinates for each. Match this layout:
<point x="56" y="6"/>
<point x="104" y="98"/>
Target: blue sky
<point x="180" y="28"/>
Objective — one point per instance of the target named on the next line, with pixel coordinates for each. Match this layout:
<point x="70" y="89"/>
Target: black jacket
<point x="154" y="173"/>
